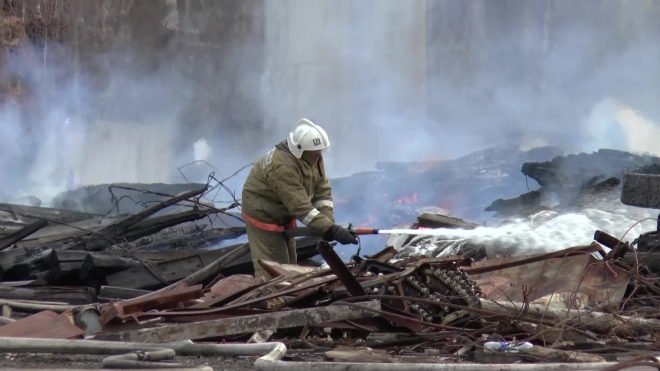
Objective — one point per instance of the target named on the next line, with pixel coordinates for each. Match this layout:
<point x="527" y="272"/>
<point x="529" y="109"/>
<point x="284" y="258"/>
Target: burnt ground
<point x="73" y="362"/>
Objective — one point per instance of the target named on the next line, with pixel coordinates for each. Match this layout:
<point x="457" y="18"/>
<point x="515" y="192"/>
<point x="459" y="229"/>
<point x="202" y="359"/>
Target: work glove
<point x="341" y="235"/>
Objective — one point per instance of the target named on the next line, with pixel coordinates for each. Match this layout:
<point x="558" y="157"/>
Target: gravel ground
<point x="73" y="362"/>
<point x="77" y="362"/>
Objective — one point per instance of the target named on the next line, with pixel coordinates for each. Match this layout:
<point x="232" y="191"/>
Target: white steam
<point x="406" y="80"/>
<point x="546" y="231"/>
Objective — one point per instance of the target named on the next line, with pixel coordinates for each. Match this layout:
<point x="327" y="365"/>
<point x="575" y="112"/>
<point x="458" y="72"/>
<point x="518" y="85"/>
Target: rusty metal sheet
<point x="384" y="255"/>
<point x="513" y="261"/>
<point x="339" y="269"/>
<point x="43" y="325"/>
<point x="122" y="309"/>
<point x="233" y="284"/>
<point x="566" y="282"/>
<point x="204" y="311"/>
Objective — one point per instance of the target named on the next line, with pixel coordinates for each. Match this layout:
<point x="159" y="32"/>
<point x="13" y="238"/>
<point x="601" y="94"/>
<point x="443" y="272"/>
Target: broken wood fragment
<point x="123" y="225"/>
<point x="97" y="266"/>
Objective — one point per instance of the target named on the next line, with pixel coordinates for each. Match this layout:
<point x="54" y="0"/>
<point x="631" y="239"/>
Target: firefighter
<point x="286" y="185"/>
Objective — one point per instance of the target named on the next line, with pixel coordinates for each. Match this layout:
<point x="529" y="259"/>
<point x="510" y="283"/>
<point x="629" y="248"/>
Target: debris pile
<point x="575" y="180"/>
<point x="140" y="290"/>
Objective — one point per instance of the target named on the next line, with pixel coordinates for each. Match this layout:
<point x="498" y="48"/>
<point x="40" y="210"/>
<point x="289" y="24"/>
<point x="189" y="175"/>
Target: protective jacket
<point x="281" y="188"/>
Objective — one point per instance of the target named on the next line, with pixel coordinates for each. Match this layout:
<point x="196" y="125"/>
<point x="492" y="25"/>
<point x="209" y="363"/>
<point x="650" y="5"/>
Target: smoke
<point x="390" y="81"/>
<point x="415" y="80"/>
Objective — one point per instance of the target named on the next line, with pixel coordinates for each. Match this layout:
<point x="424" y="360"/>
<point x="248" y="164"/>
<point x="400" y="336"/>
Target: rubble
<point x="139" y="290"/>
<point x="569" y="181"/>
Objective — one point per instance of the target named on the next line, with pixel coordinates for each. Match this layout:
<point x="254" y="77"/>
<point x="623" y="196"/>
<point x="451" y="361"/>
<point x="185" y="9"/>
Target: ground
<point x="73" y="362"/>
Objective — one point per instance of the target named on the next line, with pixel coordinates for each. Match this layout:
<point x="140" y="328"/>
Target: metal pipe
<point x="273" y="362"/>
<point x="35" y="307"/>
<point x="311" y="232"/>
<point x="142" y="360"/>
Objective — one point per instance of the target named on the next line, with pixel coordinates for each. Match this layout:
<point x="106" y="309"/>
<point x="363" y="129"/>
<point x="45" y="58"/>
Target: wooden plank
<point x="33" y="212"/>
<point x="178" y="269"/>
<point x="245" y="324"/>
<point x="9" y="258"/>
<point x="60" y="256"/>
<point x="58" y="232"/>
<point x="120" y="293"/>
<point x="44" y="325"/>
<point x="194" y="240"/>
<point x="20" y="234"/>
<point x="64" y="268"/>
<point x="139" y="277"/>
<point x="97" y="266"/>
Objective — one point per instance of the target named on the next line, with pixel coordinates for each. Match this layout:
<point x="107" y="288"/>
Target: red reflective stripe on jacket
<point x="277" y="228"/>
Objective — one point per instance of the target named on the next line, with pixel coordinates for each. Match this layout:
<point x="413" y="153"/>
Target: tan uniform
<point x="279" y="190"/>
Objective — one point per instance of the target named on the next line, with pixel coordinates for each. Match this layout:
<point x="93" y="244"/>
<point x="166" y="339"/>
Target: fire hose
<point x="311" y="232"/>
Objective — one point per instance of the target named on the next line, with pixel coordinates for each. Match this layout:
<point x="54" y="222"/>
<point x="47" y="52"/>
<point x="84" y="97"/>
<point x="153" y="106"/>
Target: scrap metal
<point x="432" y="307"/>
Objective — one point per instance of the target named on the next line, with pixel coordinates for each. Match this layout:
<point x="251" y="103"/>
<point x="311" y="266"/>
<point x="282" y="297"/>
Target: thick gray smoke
<point x="413" y="80"/>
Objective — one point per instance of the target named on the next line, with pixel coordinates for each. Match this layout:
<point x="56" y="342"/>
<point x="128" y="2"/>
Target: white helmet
<point x="307" y="136"/>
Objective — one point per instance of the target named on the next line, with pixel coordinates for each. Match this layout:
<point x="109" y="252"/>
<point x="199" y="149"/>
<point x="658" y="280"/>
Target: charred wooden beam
<point x="245" y="324"/>
<point x="69" y="295"/>
<point x="442" y="221"/>
<point x="20" y="234"/>
<point x="43" y="213"/>
<point x="123" y="225"/>
<point x="112" y="293"/>
<point x="150" y="276"/>
<point x="146" y="228"/>
<point x="56" y="257"/>
<point x="98" y="266"/>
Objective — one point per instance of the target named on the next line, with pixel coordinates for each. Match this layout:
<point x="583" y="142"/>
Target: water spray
<point x="306" y="231"/>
